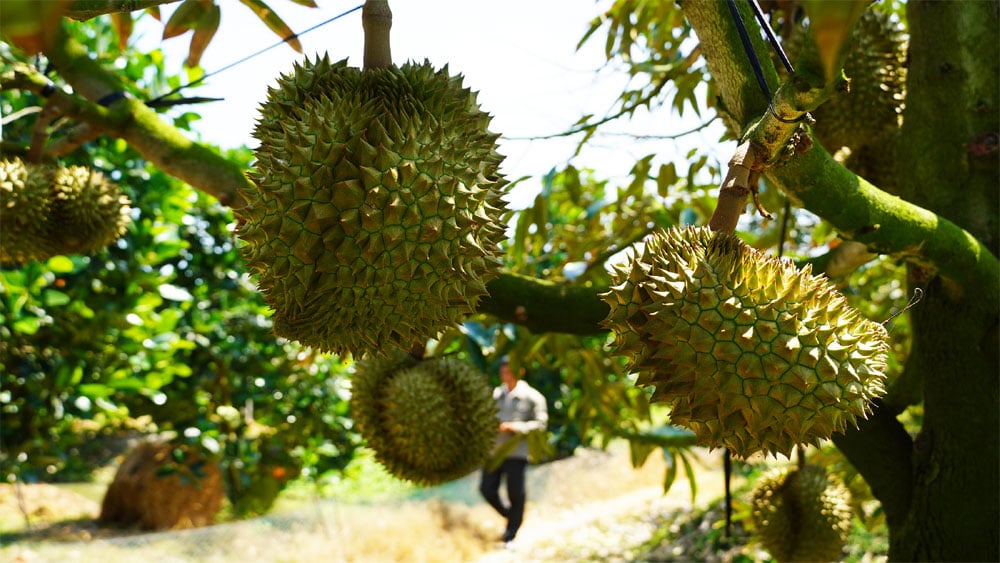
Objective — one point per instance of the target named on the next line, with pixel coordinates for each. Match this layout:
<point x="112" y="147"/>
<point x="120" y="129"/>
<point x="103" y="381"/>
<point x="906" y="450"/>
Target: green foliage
<point x="162" y="331"/>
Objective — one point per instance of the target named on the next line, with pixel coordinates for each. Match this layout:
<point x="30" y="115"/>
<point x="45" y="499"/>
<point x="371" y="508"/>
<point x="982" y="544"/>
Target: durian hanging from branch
<point x="374" y="222"/>
<point x="48" y="210"/>
<point x="750" y="352"/>
<point x="428" y="421"/>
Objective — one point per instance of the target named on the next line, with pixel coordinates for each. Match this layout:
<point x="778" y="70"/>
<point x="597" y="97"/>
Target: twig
<point x="22" y="505"/>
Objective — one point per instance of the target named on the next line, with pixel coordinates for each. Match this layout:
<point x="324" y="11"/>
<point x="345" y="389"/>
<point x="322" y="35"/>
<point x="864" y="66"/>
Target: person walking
<point x="520" y="409"/>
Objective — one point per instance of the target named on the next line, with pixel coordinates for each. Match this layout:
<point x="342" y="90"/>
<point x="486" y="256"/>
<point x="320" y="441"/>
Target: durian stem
<point x="40" y="132"/>
<point x="418" y="351"/>
<point x="376" y="17"/>
<point x="744" y="171"/>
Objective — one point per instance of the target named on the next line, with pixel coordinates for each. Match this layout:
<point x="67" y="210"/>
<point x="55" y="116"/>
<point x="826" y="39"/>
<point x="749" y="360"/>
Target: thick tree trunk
<point x="951" y="108"/>
<point x="939" y="490"/>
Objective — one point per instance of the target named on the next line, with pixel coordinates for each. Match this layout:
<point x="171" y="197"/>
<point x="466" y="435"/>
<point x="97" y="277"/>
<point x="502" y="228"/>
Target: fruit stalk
<point x="376" y="17"/>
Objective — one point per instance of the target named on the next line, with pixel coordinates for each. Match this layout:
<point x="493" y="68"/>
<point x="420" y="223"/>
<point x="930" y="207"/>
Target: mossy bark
<point x="130" y="119"/>
<point x="939" y="490"/>
<point x="952" y="107"/>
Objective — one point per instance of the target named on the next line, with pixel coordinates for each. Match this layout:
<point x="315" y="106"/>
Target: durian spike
<point x="376" y="17"/>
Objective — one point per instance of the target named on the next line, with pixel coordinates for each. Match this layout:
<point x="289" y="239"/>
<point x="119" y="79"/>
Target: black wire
<point x="770" y="35"/>
<point x="748" y="47"/>
<point x="248" y="57"/>
<point x="755" y="62"/>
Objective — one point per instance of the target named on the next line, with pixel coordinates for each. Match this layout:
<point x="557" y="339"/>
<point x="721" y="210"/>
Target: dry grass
<point x="445" y="524"/>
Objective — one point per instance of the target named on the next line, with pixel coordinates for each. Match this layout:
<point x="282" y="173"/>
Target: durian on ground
<point x="428" y="421"/>
<point x="49" y="210"/>
<point x="375" y="222"/>
<point x="749" y="352"/>
<point x="802" y="514"/>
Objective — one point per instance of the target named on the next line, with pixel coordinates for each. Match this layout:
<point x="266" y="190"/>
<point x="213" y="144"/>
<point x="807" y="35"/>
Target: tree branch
<point x="887" y="467"/>
<point x="86" y="9"/>
<point x="886" y="224"/>
<point x="158" y="142"/>
<point x="544" y="306"/>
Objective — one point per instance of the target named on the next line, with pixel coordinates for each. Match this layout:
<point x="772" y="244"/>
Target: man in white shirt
<point x="520" y="409"/>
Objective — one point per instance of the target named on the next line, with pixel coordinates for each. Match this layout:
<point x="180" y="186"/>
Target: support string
<point x="157" y="99"/>
<point x="918" y="294"/>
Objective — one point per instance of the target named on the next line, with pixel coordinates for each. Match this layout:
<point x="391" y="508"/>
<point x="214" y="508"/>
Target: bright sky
<point x="519" y="54"/>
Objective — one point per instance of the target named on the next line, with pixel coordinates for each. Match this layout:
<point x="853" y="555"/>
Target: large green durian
<point x="802" y="514"/>
<point x="375" y="219"/>
<point x="428" y="421"/>
<point x="88" y="211"/>
<point x="24" y="212"/>
<point x="750" y="352"/>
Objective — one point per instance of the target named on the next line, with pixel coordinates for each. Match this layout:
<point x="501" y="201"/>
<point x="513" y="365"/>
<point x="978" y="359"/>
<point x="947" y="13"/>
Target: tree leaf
<point x="60" y="264"/>
<point x="639" y="452"/>
<point x="666" y="178"/>
<point x="502" y="452"/>
<point x="274" y="23"/>
<point x="689" y="472"/>
<point x="54" y="298"/>
<point x="123" y="26"/>
<point x="203" y="33"/>
<point x="185" y="17"/>
<point x="670" y="474"/>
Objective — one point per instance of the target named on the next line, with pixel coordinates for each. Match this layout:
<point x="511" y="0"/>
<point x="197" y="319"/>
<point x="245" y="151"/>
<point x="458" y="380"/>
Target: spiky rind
<point x="48" y="210"/>
<point x="427" y="421"/>
<point x="375" y="219"/>
<point x="24" y="212"/>
<point x="802" y="514"/>
<point x="750" y="352"/>
<point x="876" y="66"/>
<point x="88" y="211"/>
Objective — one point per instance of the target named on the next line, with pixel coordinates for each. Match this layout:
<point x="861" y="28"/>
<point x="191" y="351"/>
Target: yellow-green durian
<point x="88" y="211"/>
<point x="375" y="221"/>
<point x="868" y="113"/>
<point x="428" y="421"/>
<point x="802" y="514"/>
<point x="750" y="352"/>
<point x="24" y="212"/>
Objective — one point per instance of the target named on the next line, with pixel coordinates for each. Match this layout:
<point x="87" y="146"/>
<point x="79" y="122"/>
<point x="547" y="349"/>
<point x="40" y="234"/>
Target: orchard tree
<point x="879" y="204"/>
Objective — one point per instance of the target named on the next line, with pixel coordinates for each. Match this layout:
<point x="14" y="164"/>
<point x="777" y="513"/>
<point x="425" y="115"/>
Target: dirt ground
<point x="583" y="508"/>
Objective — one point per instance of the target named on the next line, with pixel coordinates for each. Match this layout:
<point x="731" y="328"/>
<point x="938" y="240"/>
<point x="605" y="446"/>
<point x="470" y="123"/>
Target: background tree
<point x="922" y="214"/>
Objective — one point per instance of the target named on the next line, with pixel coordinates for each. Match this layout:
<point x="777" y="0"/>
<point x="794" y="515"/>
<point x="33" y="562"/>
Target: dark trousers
<point x="489" y="486"/>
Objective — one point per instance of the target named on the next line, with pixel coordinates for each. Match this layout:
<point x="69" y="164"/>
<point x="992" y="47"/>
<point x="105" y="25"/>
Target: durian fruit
<point x="88" y="211"/>
<point x="428" y="421"/>
<point x="24" y="212"/>
<point x="750" y="352"/>
<point x="46" y="211"/>
<point x="375" y="221"/>
<point x="802" y="514"/>
<point x="869" y="111"/>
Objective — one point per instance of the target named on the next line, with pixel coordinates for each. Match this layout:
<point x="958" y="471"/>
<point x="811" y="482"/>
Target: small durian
<point x="24" y="212"/>
<point x="46" y="211"/>
<point x="428" y="421"/>
<point x="802" y="514"/>
<point x="750" y="352"/>
<point x="88" y="211"/>
<point x="869" y="112"/>
<point x="375" y="221"/>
